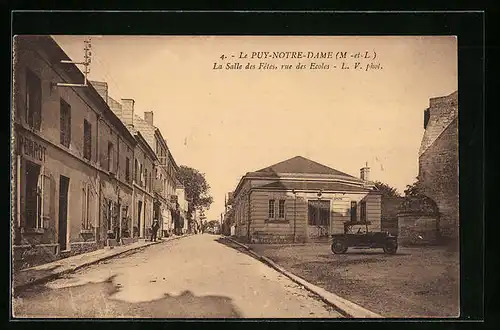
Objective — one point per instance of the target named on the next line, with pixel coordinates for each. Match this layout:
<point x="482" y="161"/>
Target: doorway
<point x="63" y="212"/>
<point x="33" y="202"/>
<point x="319" y="216"/>
<point x="139" y="213"/>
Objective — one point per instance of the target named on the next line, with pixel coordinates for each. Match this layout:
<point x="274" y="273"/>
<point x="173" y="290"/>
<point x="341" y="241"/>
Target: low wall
<point x="25" y="256"/>
<point x="418" y="229"/>
<point x="81" y="247"/>
<point x="268" y="238"/>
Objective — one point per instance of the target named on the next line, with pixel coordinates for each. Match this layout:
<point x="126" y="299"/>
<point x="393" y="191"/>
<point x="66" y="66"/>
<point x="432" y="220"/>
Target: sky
<point x="228" y="122"/>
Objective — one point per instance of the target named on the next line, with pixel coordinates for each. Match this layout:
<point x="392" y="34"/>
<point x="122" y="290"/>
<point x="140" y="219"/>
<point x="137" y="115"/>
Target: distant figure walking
<point x="154" y="230"/>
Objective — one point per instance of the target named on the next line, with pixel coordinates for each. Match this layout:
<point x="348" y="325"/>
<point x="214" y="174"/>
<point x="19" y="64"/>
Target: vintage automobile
<point x="363" y="239"/>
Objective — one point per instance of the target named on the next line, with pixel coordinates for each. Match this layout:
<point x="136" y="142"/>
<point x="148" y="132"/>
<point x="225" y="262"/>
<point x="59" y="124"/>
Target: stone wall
<point x="389" y="208"/>
<point x="439" y="177"/>
<point x="25" y="256"/>
<point x="272" y="238"/>
<point x="418" y="229"/>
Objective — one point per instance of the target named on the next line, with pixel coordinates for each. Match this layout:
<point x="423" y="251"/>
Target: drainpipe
<point x="118" y="237"/>
<point x="99" y="198"/>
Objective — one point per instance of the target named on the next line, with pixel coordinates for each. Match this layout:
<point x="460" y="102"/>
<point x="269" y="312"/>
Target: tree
<point x="386" y="190"/>
<point x="414" y="190"/>
<point x="196" y="188"/>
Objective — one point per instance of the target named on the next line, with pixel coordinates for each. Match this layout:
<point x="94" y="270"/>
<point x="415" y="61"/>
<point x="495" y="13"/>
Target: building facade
<point x="438" y="161"/>
<point x="164" y="205"/>
<point x="183" y="209"/>
<point x="68" y="150"/>
<point x="302" y="200"/>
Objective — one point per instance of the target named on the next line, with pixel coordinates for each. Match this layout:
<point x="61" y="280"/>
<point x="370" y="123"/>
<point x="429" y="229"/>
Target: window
<point x="33" y="100"/>
<point x="136" y="171"/>
<point x="110" y="157"/>
<point x="46" y="201"/>
<point x="319" y="212"/>
<point x="281" y="209"/>
<point x="271" y="209"/>
<point x="127" y="169"/>
<point x="353" y="211"/>
<point x="140" y="175"/>
<point x="87" y="140"/>
<point x="87" y="207"/>
<point x="65" y="123"/>
<point x="363" y="211"/>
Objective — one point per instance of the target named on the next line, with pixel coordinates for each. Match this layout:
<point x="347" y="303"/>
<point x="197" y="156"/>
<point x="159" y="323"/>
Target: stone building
<point x="164" y="170"/>
<point x="438" y="161"/>
<point x="299" y="199"/>
<point x="71" y="157"/>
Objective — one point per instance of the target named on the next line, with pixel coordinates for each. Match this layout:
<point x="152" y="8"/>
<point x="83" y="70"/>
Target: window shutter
<point x="90" y="207"/>
<point x="84" y="208"/>
<point x="46" y="201"/>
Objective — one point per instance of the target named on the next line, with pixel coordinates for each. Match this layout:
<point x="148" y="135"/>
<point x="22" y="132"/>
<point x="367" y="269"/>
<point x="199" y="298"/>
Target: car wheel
<point x="391" y="248"/>
<point x="338" y="247"/>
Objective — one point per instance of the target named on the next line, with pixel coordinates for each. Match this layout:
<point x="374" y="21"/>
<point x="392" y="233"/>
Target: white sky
<point x="226" y="123"/>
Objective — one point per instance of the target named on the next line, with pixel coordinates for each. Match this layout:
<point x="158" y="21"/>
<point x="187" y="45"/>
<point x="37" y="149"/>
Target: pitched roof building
<point x="300" y="199"/>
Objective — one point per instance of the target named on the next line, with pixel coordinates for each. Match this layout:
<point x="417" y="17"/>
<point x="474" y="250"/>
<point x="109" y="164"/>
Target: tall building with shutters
<point x="155" y="161"/>
<point x="302" y="200"/>
<point x="71" y="172"/>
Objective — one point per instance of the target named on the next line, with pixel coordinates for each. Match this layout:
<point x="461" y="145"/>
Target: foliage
<point x="415" y="189"/>
<point x="196" y="188"/>
<point x="416" y="201"/>
<point x="386" y="190"/>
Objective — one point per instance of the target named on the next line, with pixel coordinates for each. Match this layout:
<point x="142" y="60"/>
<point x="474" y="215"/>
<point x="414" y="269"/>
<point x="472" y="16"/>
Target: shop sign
<point x="32" y="149"/>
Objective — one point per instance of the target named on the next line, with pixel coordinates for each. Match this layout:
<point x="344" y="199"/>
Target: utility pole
<point x="86" y="63"/>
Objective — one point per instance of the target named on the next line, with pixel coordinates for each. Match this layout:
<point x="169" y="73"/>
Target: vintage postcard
<point x="235" y="177"/>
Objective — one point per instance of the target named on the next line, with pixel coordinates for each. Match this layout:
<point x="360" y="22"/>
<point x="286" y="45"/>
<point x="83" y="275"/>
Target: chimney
<point x="365" y="173"/>
<point x="148" y="117"/>
<point x="102" y="88"/>
<point x="128" y="111"/>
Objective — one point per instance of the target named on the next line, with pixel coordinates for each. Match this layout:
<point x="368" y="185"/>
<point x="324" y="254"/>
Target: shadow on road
<point x="20" y="278"/>
<point x="95" y="300"/>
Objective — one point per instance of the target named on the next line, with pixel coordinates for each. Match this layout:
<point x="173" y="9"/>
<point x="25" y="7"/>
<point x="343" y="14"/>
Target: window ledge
<point x="277" y="221"/>
<point x="86" y="231"/>
<point x="32" y="231"/>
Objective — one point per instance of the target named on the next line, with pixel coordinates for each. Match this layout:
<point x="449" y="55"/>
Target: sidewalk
<point x="346" y="307"/>
<point x="60" y="267"/>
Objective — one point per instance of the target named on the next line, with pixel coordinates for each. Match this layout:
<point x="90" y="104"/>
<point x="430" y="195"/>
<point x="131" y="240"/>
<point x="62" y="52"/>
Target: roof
<point x="443" y="111"/>
<point x="314" y="185"/>
<point x="56" y="54"/>
<point x="299" y="164"/>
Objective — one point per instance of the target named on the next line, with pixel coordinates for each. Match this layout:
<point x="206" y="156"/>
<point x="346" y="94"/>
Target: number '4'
<point x="222" y="57"/>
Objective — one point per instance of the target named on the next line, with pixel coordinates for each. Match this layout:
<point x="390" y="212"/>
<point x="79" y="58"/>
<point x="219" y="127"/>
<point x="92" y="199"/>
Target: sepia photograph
<point x="244" y="177"/>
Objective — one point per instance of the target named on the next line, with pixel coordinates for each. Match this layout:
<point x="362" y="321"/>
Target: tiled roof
<point x="312" y="185"/>
<point x="301" y="165"/>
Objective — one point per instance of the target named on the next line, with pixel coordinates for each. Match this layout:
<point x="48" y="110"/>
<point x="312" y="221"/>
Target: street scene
<point x="216" y="282"/>
<point x="169" y="177"/>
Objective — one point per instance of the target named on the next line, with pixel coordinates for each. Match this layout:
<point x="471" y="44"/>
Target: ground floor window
<point x="354" y="208"/>
<point x="37" y="197"/>
<point x="88" y="201"/>
<point x="125" y="222"/>
<point x="281" y="209"/>
<point x="319" y="212"/>
<point x="271" y="208"/>
<point x="363" y="211"/>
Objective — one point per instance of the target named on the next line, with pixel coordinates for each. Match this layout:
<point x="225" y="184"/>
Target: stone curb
<point x="344" y="306"/>
<point x="57" y="274"/>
